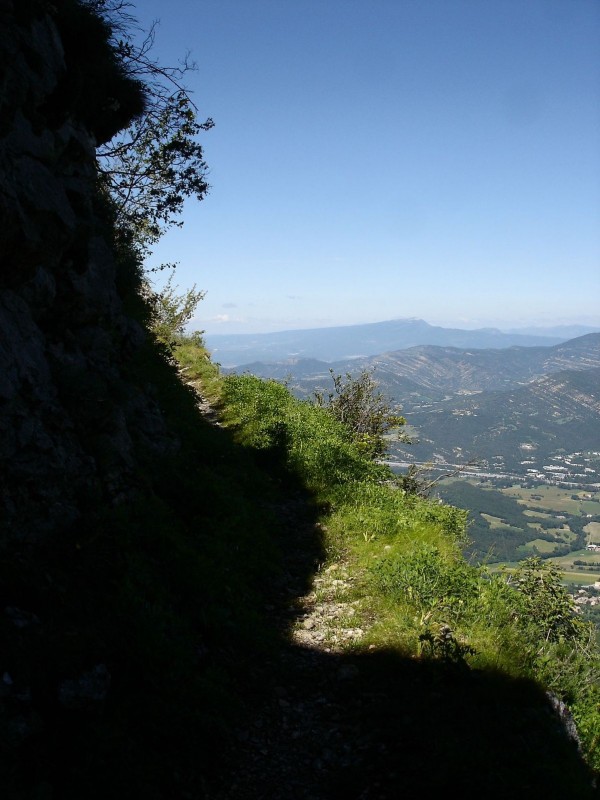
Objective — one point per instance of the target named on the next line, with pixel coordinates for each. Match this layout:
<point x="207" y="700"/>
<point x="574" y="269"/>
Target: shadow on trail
<point x="380" y="725"/>
<point x="308" y="724"/>
<point x="147" y="654"/>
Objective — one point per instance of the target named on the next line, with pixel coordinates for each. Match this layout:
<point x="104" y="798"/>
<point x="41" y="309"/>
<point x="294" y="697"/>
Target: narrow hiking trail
<point x="330" y="717"/>
<point x="301" y="737"/>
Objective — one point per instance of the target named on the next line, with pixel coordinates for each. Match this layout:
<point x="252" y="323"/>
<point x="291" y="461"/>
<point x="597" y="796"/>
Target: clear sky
<point x="379" y="159"/>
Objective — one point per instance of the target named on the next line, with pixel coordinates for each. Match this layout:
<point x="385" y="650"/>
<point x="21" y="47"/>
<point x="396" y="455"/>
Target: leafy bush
<point x="170" y="312"/>
<point x="363" y="409"/>
<point x="557" y="648"/>
<point x="547" y="607"/>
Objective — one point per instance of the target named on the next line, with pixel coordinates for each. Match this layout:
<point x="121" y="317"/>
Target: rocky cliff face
<point x="70" y="420"/>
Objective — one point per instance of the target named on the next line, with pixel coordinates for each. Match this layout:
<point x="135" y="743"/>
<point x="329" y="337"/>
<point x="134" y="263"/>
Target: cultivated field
<point x="547" y="519"/>
<point x="553" y="498"/>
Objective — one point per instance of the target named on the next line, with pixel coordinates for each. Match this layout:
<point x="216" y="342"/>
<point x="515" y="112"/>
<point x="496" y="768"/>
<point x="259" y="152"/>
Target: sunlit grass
<point x="411" y="589"/>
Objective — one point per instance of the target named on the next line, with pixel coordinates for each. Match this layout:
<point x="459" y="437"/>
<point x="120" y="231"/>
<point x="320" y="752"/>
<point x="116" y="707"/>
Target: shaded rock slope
<point x="70" y="417"/>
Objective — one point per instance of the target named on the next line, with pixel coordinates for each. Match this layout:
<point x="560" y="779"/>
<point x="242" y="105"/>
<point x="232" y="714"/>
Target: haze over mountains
<point x="330" y="344"/>
<point x="439" y="370"/>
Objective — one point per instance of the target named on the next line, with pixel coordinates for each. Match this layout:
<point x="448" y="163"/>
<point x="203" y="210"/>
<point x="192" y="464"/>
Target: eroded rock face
<point x="70" y="420"/>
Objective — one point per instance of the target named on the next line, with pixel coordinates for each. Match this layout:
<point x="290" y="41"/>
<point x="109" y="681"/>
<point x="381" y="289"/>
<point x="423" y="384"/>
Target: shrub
<point x="363" y="410"/>
<point x="170" y="312"/>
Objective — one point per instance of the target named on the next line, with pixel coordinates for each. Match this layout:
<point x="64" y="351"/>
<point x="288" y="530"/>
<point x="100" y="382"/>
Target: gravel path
<point x="301" y="737"/>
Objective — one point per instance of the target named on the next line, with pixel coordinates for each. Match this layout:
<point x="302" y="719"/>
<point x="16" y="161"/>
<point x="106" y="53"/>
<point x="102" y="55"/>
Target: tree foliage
<point x="171" y="311"/>
<point x="364" y="410"/>
<point x="156" y="163"/>
<point x="150" y="168"/>
<point x="547" y="605"/>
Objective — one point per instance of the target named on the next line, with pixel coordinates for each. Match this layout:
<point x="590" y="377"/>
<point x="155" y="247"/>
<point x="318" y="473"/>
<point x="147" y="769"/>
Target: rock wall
<point x="70" y="419"/>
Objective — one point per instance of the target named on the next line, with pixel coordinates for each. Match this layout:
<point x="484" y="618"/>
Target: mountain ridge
<point x="553" y="414"/>
<point x="445" y="369"/>
<point x="351" y="341"/>
<point x="477" y="403"/>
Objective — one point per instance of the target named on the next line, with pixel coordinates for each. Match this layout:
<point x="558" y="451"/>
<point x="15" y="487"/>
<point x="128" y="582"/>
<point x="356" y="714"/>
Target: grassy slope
<point x="404" y="551"/>
<point x="179" y="597"/>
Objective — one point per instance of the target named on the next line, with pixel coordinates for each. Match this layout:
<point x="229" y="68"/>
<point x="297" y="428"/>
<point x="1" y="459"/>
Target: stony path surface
<point x="326" y="616"/>
<point x="301" y="737"/>
<point x="298" y="735"/>
<point x="335" y="720"/>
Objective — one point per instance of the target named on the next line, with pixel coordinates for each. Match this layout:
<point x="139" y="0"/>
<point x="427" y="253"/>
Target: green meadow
<point x="510" y="523"/>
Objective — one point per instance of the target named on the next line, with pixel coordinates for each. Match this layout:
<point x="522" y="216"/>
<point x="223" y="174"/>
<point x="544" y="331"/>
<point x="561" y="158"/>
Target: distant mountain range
<point x="503" y="407"/>
<point x="350" y="341"/>
<point x="429" y="371"/>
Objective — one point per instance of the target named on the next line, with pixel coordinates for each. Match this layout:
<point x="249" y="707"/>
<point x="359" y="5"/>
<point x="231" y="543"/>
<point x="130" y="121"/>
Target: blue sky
<point x="379" y="159"/>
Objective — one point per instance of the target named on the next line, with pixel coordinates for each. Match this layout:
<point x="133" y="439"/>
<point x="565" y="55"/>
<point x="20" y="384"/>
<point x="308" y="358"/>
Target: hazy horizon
<point x="376" y="159"/>
<point x="525" y="328"/>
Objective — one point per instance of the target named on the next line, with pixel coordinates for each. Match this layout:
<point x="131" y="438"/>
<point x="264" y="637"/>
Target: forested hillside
<point x="517" y="430"/>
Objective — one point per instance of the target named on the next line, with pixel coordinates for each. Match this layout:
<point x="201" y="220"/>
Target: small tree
<point x="547" y="606"/>
<point x="364" y="410"/>
<point x="170" y="311"/>
<point x="149" y="169"/>
<point x="155" y="164"/>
